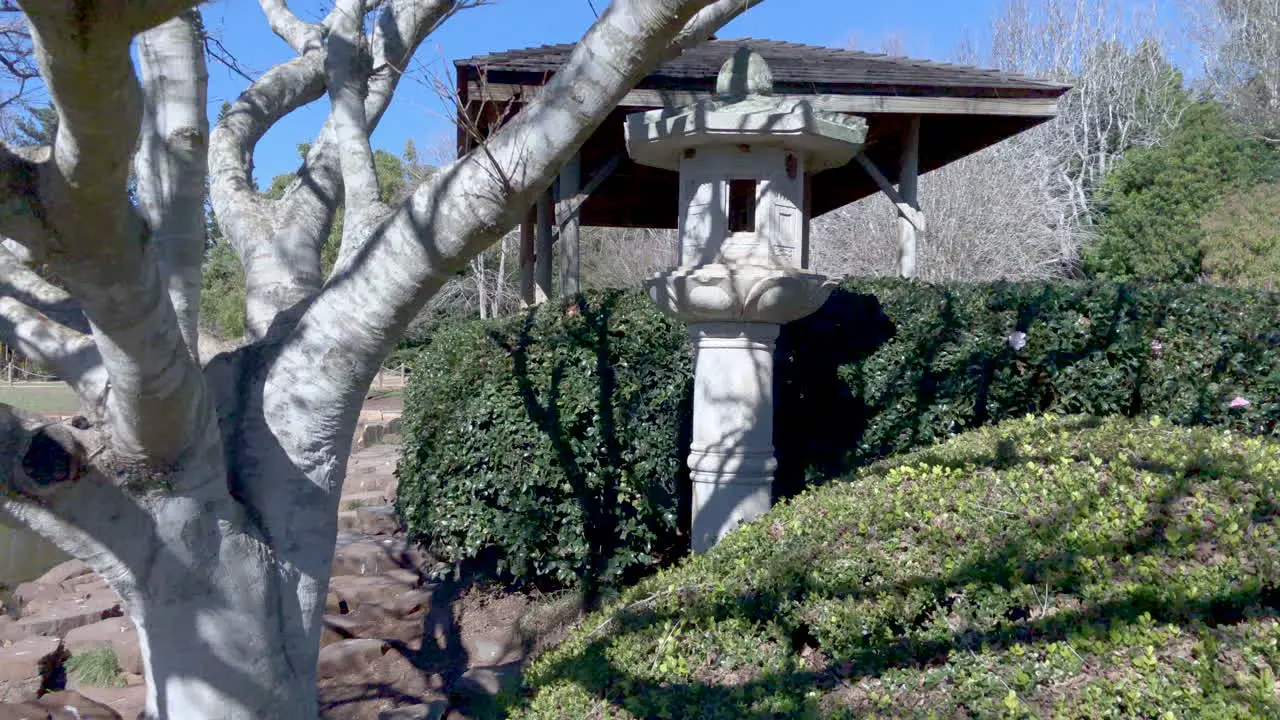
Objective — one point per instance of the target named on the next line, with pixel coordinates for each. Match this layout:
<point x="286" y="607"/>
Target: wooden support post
<point x="908" y="186"/>
<point x="570" y="229"/>
<point x="527" y="259"/>
<point x="546" y="223"/>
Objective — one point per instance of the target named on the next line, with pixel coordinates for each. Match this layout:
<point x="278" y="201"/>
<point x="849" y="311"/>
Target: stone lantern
<point x="745" y="158"/>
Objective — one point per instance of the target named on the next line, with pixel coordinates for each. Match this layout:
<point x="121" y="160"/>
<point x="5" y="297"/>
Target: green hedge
<point x="555" y="440"/>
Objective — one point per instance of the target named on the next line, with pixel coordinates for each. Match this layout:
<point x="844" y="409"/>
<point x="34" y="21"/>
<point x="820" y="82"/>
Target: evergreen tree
<point x="1153" y="203"/>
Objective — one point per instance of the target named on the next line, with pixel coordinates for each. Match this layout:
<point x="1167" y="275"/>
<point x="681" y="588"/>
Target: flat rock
<point x="404" y="605"/>
<point x="10" y="632"/>
<point x="62" y="616"/>
<point x="348" y="656"/>
<point x="372" y="498"/>
<point x="63" y="572"/>
<point x="337" y="628"/>
<point x="118" y="632"/>
<point x="65" y="705"/>
<point x="377" y="520"/>
<point x="487" y="651"/>
<point x="368" y="623"/>
<point x="357" y="590"/>
<point x="35" y="591"/>
<point x="23" y="664"/>
<point x="409" y="578"/>
<point x="433" y="710"/>
<point x="347" y="521"/>
<point x="375" y="557"/>
<point x="22" y="660"/>
<point x="130" y="701"/>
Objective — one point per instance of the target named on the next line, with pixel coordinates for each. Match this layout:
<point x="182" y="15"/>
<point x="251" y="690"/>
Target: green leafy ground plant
<point x="1045" y="567"/>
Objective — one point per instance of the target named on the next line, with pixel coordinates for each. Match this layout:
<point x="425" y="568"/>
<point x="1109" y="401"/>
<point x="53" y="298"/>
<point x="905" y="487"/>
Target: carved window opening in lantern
<point x="742" y="206"/>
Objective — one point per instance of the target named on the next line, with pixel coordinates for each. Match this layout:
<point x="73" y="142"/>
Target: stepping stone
<point x="404" y="605"/>
<point x="377" y="520"/>
<point x="375" y="557"/>
<point x="117" y="632"/>
<point x="63" y="572"/>
<point x="23" y="664"/>
<point x="61" y="617"/>
<point x="130" y="701"/>
<point x="433" y="710"/>
<point x="368" y="480"/>
<point x="347" y="521"/>
<point x="337" y="628"/>
<point x="372" y="498"/>
<point x="357" y="590"/>
<point x="10" y="632"/>
<point x="408" y="578"/>
<point x="347" y="656"/>
<point x="36" y="591"/>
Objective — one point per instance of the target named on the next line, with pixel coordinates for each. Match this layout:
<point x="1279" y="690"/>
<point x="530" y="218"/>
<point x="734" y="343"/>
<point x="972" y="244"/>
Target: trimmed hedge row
<point x="553" y="438"/>
<point x="556" y="440"/>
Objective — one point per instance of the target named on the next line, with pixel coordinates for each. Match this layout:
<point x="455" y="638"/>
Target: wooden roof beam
<point x="878" y="104"/>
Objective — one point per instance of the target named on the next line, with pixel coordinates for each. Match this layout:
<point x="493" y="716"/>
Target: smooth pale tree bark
<point x="207" y="495"/>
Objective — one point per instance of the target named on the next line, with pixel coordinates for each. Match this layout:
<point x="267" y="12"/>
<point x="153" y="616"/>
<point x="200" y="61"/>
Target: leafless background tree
<point x="1239" y="48"/>
<point x="1022" y="209"/>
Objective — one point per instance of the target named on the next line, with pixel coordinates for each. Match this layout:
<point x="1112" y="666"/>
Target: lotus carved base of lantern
<point x="739" y="293"/>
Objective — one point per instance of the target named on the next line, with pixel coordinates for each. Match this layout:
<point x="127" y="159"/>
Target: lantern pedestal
<point x="734" y="314"/>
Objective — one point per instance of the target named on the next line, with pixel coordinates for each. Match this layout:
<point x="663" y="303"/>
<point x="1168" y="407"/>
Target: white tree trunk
<point x="208" y="496"/>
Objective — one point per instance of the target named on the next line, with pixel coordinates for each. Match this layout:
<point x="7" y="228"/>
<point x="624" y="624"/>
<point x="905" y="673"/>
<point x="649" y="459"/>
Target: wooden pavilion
<point x="921" y="116"/>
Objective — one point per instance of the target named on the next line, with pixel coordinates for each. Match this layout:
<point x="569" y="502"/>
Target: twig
<point x="652" y="598"/>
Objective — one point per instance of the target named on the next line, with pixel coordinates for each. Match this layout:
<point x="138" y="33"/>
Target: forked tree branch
<point x="279" y="242"/>
<point x="102" y="254"/>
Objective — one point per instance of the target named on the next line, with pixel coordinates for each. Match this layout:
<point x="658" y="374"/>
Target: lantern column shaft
<point x="731" y="458"/>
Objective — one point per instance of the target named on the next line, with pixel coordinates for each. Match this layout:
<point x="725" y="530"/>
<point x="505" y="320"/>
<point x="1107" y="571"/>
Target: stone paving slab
<point x="60" y="618"/>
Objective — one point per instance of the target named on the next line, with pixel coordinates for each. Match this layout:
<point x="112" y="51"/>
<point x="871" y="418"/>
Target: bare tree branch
<point x="348" y="86"/>
<point x="282" y="265"/>
<point x="73" y="355"/>
<point x="172" y="160"/>
<point x="19" y="280"/>
<point x="708" y="20"/>
<point x="303" y="37"/>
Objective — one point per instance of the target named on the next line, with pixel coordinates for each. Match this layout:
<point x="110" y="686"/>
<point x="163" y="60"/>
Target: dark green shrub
<point x="1042" y="568"/>
<point x="1152" y="202"/>
<point x="552" y="437"/>
<point x="897" y="366"/>
<point x="556" y="439"/>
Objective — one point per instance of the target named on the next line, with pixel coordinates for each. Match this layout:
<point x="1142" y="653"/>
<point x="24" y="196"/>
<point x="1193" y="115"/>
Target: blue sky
<point x="927" y="28"/>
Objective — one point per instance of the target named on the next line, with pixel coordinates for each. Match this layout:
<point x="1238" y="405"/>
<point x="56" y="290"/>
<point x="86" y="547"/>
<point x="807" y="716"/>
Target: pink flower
<point x="1239" y="402"/>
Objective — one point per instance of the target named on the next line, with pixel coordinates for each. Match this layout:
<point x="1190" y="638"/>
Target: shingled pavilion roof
<point x="961" y="110"/>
